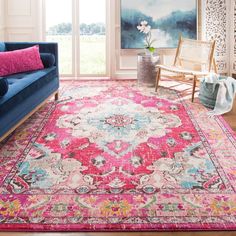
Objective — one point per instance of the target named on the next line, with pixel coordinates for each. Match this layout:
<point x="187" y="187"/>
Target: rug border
<point x="114" y="228"/>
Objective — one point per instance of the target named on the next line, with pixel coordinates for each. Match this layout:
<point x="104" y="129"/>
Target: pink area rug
<point x="111" y="156"/>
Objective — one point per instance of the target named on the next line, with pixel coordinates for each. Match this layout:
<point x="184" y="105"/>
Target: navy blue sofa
<point x="27" y="91"/>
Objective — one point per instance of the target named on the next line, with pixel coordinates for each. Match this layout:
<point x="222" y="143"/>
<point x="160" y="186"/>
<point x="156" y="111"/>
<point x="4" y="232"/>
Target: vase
<point x="146" y="69"/>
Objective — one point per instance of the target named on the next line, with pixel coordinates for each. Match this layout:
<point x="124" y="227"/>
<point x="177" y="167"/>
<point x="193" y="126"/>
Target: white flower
<point x="139" y="27"/>
<point x="143" y="27"/>
<point x="144" y="23"/>
<point x="147" y="29"/>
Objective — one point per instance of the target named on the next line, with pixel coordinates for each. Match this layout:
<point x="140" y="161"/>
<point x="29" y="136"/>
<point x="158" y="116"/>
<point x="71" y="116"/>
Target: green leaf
<point x="151" y="49"/>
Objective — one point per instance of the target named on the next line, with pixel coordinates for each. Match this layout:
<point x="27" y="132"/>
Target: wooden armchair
<point x="193" y="58"/>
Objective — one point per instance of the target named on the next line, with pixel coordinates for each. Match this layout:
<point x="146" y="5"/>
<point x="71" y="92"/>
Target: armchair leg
<point x="158" y="78"/>
<point x="214" y="65"/>
<point x="194" y="87"/>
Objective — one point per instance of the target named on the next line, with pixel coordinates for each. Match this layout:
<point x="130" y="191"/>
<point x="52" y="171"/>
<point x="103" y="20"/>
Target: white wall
<point x="22" y="20"/>
<point x="2" y="20"/>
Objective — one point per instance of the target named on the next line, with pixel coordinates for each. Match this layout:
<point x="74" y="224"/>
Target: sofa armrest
<point x="44" y="47"/>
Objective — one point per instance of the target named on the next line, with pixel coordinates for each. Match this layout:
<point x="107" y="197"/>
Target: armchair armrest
<point x="44" y="47"/>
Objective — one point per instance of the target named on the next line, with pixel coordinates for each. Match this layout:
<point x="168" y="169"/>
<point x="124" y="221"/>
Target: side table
<point x="146" y="71"/>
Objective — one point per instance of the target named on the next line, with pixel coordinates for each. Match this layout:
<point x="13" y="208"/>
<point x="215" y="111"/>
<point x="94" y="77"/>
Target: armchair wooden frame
<point x="183" y="56"/>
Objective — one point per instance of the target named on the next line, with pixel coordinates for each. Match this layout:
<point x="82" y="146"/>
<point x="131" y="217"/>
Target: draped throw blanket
<point x="226" y="92"/>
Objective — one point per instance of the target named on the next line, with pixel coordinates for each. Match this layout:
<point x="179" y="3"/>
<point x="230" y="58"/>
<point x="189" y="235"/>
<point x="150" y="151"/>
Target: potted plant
<point x="144" y="28"/>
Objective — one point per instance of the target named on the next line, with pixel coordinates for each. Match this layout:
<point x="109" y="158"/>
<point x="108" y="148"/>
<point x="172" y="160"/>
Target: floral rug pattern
<point x="115" y="156"/>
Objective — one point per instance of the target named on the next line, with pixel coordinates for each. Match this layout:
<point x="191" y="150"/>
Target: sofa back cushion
<point x="17" y="61"/>
<point x="2" y="47"/>
<point x="3" y="86"/>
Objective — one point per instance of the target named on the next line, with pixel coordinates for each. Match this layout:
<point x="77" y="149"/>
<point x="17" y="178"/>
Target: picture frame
<point x="177" y="17"/>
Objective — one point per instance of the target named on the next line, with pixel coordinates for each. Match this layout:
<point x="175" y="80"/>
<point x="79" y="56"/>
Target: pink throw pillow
<point x="22" y="60"/>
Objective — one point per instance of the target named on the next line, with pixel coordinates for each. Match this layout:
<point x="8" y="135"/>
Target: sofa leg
<point x="56" y="96"/>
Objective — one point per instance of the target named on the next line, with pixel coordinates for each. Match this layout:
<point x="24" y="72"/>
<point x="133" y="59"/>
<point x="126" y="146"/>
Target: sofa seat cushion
<point x="23" y="85"/>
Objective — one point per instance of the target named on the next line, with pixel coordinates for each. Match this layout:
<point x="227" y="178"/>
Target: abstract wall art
<point x="167" y="18"/>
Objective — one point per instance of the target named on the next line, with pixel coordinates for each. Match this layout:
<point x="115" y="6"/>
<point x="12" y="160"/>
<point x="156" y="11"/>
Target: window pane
<point x="59" y="29"/>
<point x="92" y="36"/>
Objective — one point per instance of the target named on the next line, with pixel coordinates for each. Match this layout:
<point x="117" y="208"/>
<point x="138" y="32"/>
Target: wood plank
<point x="230" y="117"/>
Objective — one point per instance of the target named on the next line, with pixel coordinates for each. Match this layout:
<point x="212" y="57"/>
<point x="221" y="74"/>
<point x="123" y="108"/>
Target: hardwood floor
<point x="186" y="89"/>
<point x="231" y="119"/>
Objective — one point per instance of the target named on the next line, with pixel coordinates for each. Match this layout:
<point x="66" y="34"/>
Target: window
<point x="79" y="27"/>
